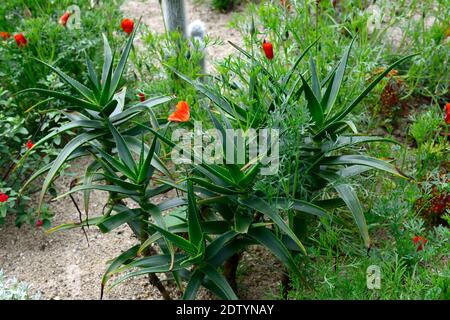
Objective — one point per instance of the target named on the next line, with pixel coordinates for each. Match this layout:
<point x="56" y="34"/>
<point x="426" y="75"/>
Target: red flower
<point x="5" y="35"/>
<point x="3" y="197"/>
<point x="419" y="242"/>
<point x="268" y="49"/>
<point x="39" y="223"/>
<point x="127" y="25"/>
<point x="20" y="40"/>
<point x="30" y="144"/>
<point x="181" y="114"/>
<point x="64" y="18"/>
<point x="447" y="113"/>
<point x="141" y="97"/>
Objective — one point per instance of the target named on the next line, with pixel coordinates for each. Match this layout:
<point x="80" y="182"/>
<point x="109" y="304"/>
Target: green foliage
<point x="27" y="117"/>
<point x="165" y="52"/>
<point x="320" y="165"/>
<point x="432" y="146"/>
<point x="49" y="41"/>
<point x="15" y="138"/>
<point x="308" y="214"/>
<point x="223" y="5"/>
<point x="406" y="273"/>
<point x="96" y="110"/>
<point x="227" y="190"/>
<point x="11" y="289"/>
<point x="424" y="127"/>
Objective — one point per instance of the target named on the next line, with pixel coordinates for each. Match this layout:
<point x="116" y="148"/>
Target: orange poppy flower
<point x="5" y="35"/>
<point x="181" y="113"/>
<point x="127" y="25"/>
<point x="268" y="49"/>
<point x="20" y="40"/>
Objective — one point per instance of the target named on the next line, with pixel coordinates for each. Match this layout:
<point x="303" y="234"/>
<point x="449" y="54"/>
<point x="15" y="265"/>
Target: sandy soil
<point x="62" y="265"/>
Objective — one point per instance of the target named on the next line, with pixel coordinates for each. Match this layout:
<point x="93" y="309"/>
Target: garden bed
<point x="50" y="262"/>
<point x="325" y="77"/>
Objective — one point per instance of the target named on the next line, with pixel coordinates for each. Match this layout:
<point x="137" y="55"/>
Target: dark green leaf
<point x="350" y="197"/>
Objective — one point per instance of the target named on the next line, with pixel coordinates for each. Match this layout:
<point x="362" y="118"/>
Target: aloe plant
<point x="95" y="114"/>
<point x="320" y="162"/>
<point x="236" y="218"/>
<point x="225" y="214"/>
<point x="98" y="107"/>
<point x="218" y="212"/>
